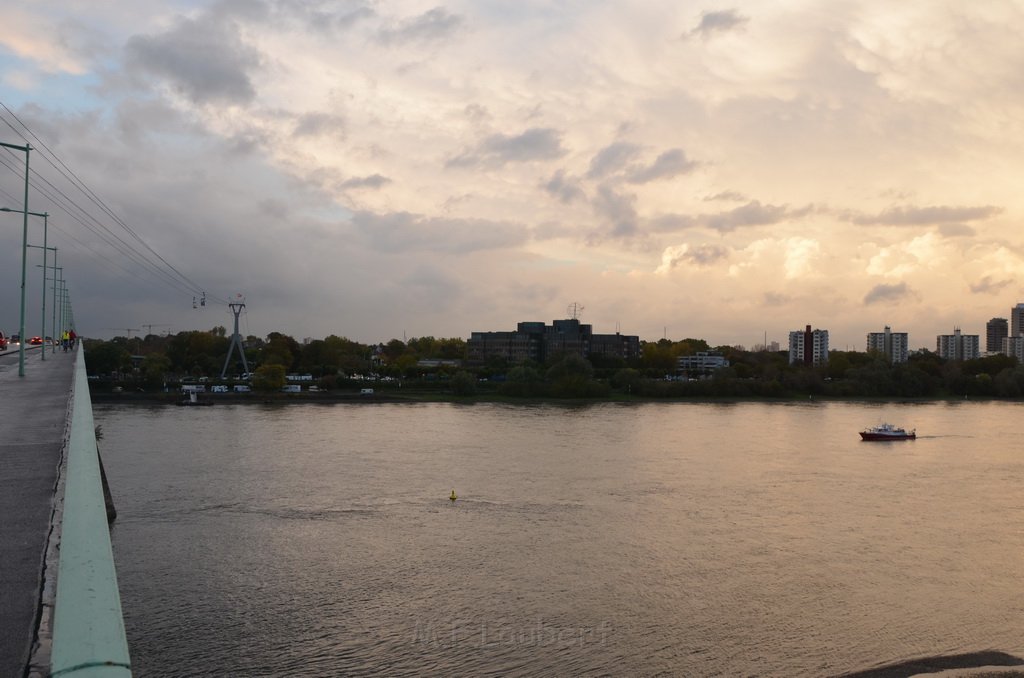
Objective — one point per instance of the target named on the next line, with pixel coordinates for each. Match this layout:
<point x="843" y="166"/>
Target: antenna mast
<point x="236" y="339"/>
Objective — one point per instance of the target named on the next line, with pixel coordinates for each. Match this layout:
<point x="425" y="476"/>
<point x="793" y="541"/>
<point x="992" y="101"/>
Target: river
<point x="675" y="539"/>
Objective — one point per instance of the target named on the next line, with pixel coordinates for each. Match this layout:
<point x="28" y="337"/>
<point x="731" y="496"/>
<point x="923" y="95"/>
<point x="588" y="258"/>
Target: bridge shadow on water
<point x="997" y="661"/>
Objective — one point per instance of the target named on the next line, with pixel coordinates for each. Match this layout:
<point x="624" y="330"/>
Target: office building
<point x="1017" y="320"/>
<point x="537" y="342"/>
<point x="701" y="363"/>
<point x="996" y="330"/>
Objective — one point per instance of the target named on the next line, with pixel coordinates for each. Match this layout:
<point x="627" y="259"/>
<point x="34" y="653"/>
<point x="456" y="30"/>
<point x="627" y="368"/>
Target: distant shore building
<point x="958" y="346"/>
<point x="537" y="341"/>
<point x="1014" y="347"/>
<point x="996" y="330"/>
<point x="808" y="347"/>
<point x="893" y="345"/>
<point x="1017" y="320"/>
<point x="700" y="364"/>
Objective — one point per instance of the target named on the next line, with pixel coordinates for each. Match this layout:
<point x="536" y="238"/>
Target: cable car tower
<point x="236" y="307"/>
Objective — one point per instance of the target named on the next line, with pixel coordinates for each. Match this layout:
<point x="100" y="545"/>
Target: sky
<point x="377" y="170"/>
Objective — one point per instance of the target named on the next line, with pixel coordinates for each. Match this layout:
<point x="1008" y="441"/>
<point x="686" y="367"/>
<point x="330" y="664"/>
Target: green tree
<point x="463" y="384"/>
<point x="269" y="378"/>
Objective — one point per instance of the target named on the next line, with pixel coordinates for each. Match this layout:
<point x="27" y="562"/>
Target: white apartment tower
<point x="808" y="347"/>
<point x="958" y="346"/>
<point x="893" y="345"/>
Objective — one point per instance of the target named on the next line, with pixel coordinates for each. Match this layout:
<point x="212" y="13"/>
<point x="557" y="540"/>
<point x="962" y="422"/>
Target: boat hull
<point x="867" y="435"/>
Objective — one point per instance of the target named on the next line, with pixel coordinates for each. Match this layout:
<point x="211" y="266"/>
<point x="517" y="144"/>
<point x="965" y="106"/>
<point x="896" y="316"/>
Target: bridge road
<point x="33" y="413"/>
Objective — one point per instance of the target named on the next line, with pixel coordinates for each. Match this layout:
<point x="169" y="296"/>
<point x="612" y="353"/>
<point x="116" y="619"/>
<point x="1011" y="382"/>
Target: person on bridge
<point x="64" y="338"/>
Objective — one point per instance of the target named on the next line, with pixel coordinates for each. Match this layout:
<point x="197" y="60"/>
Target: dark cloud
<point x="565" y="188"/>
<point x="404" y="232"/>
<point x="717" y="22"/>
<point x="618" y="211"/>
<point x="372" y="181"/>
<point x="319" y="124"/>
<point x="886" y="293"/>
<point x="705" y="255"/>
<point x="432" y="26"/>
<point x="499" y="149"/>
<point x="204" y="59"/>
<point x="669" y="164"/>
<point x="733" y="196"/>
<point x="611" y="159"/>
<point x="956" y="230"/>
<point x="923" y="216"/>
<point x="989" y="286"/>
<point x="751" y="214"/>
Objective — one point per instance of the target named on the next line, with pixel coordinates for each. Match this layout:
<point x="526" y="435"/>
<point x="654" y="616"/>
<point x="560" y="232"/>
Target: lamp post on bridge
<point x="46" y="221"/>
<point x="53" y="280"/>
<point x="24" y="255"/>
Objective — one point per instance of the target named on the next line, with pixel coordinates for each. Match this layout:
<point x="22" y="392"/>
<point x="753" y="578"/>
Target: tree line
<point x="336" y="361"/>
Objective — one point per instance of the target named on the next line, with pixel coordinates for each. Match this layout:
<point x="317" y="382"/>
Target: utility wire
<point x="167" y="271"/>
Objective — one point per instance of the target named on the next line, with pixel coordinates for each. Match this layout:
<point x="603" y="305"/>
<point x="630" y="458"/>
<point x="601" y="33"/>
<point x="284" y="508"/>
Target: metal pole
<point x="53" y="344"/>
<point x="46" y="219"/>
<point x="24" y="257"/>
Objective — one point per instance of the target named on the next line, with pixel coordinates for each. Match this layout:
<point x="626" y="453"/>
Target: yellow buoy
<point x="453" y="497"/>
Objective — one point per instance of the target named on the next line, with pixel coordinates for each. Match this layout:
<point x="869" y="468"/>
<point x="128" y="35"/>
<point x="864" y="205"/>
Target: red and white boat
<point x="888" y="432"/>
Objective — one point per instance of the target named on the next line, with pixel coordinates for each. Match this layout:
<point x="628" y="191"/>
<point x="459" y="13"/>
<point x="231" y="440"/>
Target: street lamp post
<point x="24" y="255"/>
<point x="46" y="221"/>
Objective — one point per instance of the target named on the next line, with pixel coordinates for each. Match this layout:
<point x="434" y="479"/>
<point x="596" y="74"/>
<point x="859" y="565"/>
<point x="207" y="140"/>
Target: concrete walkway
<point x="33" y="413"/>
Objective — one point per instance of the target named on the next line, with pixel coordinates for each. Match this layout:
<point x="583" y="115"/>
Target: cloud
<point x="702" y="255"/>
<point x="717" y="22"/>
<point x="887" y="293"/>
<point x="922" y="216"/>
<point x="733" y="196"/>
<point x="498" y="150"/>
<point x="618" y="210"/>
<point x="318" y="124"/>
<point x="989" y="286"/>
<point x="372" y="181"/>
<point x="205" y="60"/>
<point x="799" y="257"/>
<point x="669" y="164"/>
<point x="565" y="188"/>
<point x="751" y="214"/>
<point x="611" y="159"/>
<point x="432" y="26"/>
<point x="405" y="232"/>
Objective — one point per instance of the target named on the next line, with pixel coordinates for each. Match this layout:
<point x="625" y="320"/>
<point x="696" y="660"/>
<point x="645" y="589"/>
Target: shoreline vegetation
<point x="154" y="368"/>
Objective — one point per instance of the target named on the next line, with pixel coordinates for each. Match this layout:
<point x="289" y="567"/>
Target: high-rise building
<point x="958" y="346"/>
<point x="1017" y="320"/>
<point x="893" y="345"/>
<point x="808" y="347"/>
<point x="996" y="330"/>
<point x="1014" y="346"/>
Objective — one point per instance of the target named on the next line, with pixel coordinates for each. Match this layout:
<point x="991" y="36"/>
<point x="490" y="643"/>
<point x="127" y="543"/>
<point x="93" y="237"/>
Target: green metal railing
<point x="88" y="626"/>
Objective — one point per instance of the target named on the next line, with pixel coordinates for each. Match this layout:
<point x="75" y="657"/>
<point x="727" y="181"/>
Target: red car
<point x="3" y="341"/>
<point x="36" y="341"/>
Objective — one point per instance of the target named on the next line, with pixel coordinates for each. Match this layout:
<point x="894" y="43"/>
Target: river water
<point x="674" y="539"/>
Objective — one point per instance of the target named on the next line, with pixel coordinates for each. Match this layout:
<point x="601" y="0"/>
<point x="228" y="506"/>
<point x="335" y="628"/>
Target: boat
<point x="193" y="401"/>
<point x="888" y="432"/>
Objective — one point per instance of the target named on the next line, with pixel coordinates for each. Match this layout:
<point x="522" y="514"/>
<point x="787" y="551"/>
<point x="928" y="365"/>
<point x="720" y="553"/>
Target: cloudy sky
<point x="380" y="169"/>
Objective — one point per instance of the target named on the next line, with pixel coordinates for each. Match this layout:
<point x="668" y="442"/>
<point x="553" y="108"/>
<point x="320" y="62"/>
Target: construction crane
<point x="129" y="330"/>
<point x="149" y="327"/>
